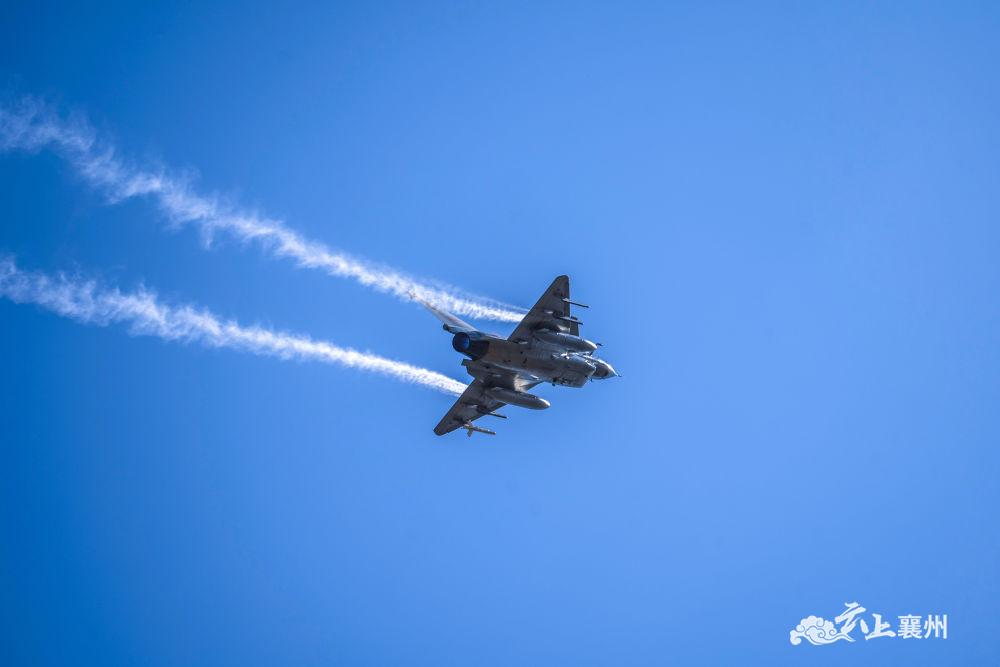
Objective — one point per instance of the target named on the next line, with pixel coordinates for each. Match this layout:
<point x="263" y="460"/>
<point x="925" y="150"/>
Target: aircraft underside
<point x="546" y="346"/>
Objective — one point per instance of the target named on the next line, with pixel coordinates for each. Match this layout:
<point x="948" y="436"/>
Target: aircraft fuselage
<point x="536" y="359"/>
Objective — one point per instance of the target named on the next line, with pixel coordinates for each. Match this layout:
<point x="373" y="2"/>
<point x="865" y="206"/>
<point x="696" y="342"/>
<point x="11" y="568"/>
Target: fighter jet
<point x="545" y="347"/>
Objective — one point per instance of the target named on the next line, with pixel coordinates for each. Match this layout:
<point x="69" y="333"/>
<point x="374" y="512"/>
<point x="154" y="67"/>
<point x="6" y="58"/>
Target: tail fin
<point x="451" y="323"/>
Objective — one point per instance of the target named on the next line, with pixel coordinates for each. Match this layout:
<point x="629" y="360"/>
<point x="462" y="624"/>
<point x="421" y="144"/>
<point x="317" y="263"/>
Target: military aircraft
<point x="545" y="347"/>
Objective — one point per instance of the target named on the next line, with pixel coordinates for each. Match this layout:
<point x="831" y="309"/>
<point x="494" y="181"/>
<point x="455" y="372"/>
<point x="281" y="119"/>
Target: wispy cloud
<point x="32" y="125"/>
<point x="87" y="302"/>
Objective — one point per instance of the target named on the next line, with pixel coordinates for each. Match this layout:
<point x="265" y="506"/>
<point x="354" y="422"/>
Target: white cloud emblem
<point x="817" y="631"/>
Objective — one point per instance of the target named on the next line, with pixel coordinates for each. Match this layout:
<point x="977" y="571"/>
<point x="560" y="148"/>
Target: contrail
<point x="31" y="125"/>
<point x="88" y="303"/>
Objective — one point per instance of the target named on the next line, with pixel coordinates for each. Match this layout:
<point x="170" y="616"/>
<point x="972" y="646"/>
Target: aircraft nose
<point x="604" y="370"/>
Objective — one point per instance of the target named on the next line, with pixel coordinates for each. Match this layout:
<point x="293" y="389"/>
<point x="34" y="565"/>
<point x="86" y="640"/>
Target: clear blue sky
<point x="784" y="217"/>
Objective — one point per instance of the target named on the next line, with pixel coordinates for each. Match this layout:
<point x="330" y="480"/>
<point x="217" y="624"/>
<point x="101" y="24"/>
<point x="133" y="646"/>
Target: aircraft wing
<point x="474" y="403"/>
<point x="470" y="406"/>
<point x="551" y="312"/>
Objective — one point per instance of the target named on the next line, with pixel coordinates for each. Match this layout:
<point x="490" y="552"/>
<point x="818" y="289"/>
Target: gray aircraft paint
<point x="546" y="346"/>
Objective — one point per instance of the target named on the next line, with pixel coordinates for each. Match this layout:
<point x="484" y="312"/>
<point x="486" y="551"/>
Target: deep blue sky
<point x="785" y="218"/>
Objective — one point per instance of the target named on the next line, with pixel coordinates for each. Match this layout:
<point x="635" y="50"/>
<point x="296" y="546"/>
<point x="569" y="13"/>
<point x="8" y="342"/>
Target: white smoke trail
<point x="31" y="125"/>
<point x="86" y="302"/>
